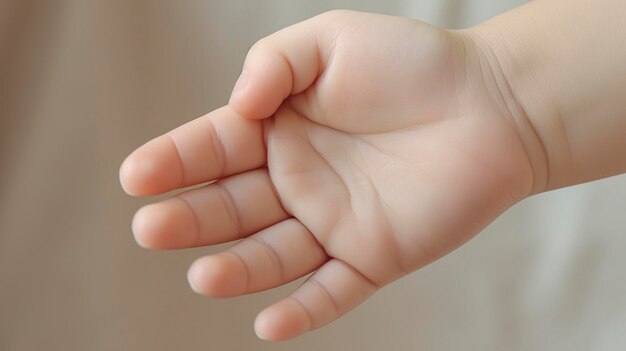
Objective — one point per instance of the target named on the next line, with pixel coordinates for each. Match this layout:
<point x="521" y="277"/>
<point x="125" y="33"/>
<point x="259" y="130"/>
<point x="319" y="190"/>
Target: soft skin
<point x="361" y="147"/>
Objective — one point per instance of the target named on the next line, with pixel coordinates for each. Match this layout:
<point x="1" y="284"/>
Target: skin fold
<point x="361" y="147"/>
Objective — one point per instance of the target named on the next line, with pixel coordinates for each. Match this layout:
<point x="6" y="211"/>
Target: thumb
<point x="282" y="64"/>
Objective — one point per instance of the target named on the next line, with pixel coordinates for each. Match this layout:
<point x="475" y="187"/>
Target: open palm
<point x="356" y="146"/>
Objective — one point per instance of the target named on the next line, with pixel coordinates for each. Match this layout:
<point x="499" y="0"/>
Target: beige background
<point x="82" y="83"/>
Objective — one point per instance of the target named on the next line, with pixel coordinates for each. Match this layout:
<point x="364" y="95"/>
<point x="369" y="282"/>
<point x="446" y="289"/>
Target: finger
<point x="283" y="64"/>
<point x="329" y="293"/>
<point x="227" y="210"/>
<point x="218" y="144"/>
<point x="272" y="257"/>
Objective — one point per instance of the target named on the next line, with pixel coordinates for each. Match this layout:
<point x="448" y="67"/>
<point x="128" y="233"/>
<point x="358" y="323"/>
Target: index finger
<point x="213" y="146"/>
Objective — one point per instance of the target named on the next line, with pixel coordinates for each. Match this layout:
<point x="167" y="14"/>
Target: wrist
<point x="562" y="78"/>
<point x="505" y="89"/>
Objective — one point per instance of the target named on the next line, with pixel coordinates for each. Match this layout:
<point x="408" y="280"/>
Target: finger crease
<point x="180" y="161"/>
<point x="218" y="149"/>
<point x="306" y="311"/>
<point x="245" y="269"/>
<point x="231" y="208"/>
<point x="324" y="290"/>
<point x="274" y="256"/>
<point x="199" y="240"/>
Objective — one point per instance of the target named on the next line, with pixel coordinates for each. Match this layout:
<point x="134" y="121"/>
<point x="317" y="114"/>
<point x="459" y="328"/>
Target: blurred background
<point x="83" y="83"/>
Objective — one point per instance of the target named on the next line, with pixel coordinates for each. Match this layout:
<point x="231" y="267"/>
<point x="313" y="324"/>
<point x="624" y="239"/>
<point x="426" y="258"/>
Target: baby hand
<point x="356" y="146"/>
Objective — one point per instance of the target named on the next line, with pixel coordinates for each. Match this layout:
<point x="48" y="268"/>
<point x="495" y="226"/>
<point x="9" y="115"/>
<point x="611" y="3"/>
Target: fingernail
<point x="136" y="226"/>
<point x="192" y="275"/>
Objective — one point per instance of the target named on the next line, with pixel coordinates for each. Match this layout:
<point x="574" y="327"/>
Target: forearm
<point x="563" y="66"/>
